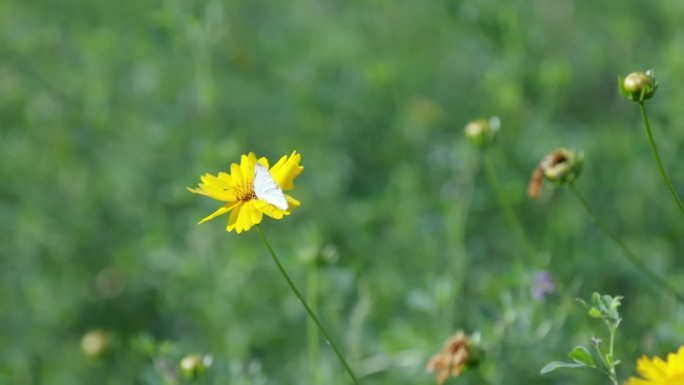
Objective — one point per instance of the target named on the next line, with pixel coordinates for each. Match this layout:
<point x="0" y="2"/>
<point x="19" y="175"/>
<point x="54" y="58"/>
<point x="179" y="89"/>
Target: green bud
<point x="194" y="365"/>
<point x="638" y="86"/>
<point x="313" y="256"/>
<point x="95" y="343"/>
<point x="482" y="133"/>
<point x="595" y="313"/>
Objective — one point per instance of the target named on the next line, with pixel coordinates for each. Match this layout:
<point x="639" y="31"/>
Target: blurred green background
<point x="108" y="110"/>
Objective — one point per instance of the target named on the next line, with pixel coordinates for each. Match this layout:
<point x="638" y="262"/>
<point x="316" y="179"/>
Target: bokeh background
<point x="108" y="110"/>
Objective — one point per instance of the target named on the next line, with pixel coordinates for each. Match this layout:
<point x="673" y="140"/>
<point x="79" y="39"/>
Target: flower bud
<point x="482" y="133"/>
<point x="638" y="86"/>
<point x="95" y="343"/>
<point x="559" y="167"/>
<point x="315" y="256"/>
<point x="194" y="365"/>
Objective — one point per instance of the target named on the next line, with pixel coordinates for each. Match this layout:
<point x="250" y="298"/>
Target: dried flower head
<point x="561" y="166"/>
<point x="638" y="86"/>
<point x="482" y="133"/>
<point x="456" y="357"/>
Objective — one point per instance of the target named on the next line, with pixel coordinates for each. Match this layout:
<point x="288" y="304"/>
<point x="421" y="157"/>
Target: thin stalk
<point x="659" y="281"/>
<point x="455" y="239"/>
<point x="512" y="218"/>
<point x="306" y="306"/>
<point x="603" y="359"/>
<point x="654" y="149"/>
<point x="311" y="331"/>
<point x="613" y="375"/>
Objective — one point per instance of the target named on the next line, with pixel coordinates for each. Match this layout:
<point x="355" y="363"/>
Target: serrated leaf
<point x="551" y="366"/>
<point x="582" y="355"/>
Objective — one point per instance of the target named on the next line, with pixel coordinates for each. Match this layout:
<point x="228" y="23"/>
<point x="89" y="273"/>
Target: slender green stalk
<point x="654" y="149"/>
<point x="613" y="374"/>
<point x="455" y="239"/>
<point x="659" y="281"/>
<point x="311" y="330"/>
<point x="306" y="306"/>
<point x="512" y="218"/>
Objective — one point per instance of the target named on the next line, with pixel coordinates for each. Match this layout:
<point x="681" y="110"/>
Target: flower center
<point x="245" y="192"/>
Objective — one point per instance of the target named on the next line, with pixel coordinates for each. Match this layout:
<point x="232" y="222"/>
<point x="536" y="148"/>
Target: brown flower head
<point x="560" y="166"/>
<point x="452" y="359"/>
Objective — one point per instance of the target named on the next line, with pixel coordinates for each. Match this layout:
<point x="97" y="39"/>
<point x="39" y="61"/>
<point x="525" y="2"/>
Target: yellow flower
<point x="237" y="189"/>
<point x="659" y="372"/>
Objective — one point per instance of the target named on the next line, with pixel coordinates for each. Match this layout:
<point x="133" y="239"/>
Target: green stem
<point x="308" y="309"/>
<point x="505" y="205"/>
<point x="659" y="281"/>
<point x="603" y="359"/>
<point x="654" y="149"/>
<point x="613" y="374"/>
<point x="311" y="331"/>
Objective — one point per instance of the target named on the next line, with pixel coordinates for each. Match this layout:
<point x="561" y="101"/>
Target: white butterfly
<point x="267" y="189"/>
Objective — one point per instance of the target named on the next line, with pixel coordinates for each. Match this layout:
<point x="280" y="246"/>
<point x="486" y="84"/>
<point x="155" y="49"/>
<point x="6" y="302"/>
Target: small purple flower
<point x="542" y="285"/>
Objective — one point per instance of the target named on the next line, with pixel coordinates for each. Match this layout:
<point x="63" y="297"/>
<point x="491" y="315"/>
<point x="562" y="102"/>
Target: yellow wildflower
<point x="658" y="372"/>
<point x="237" y="189"/>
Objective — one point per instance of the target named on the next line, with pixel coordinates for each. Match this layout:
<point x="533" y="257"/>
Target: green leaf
<point x="594" y="312"/>
<point x="582" y="355"/>
<point x="551" y="366"/>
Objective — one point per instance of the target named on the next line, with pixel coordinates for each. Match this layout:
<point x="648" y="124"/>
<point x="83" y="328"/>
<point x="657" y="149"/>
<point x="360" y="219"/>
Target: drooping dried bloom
<point x="561" y="166"/>
<point x="658" y="372"/>
<point x="452" y="359"/>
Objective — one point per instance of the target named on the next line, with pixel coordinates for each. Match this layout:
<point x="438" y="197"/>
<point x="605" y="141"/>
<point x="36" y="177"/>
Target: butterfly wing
<point x="267" y="189"/>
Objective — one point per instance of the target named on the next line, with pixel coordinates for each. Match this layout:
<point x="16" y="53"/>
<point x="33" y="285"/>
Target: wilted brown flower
<point x="560" y="166"/>
<point x="452" y="359"/>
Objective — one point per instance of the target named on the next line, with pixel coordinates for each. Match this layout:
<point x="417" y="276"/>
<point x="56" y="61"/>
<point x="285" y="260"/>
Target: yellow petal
<point x="269" y="209"/>
<point x="244" y="219"/>
<point x="236" y="173"/>
<point x="232" y="220"/>
<point x="218" y="212"/>
<point x="651" y="369"/>
<point x="247" y="163"/>
<point x="286" y="170"/>
<point x="291" y="202"/>
<point x="637" y="381"/>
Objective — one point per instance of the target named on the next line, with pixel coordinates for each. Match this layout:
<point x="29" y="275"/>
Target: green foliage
<point x="604" y="307"/>
<point x="108" y="110"/>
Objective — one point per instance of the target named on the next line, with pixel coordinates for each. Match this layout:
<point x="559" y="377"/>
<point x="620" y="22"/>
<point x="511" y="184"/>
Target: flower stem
<point x="512" y="218"/>
<point x="613" y="374"/>
<point x="308" y="309"/>
<point x="311" y="331"/>
<point x="659" y="281"/>
<point x="654" y="149"/>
